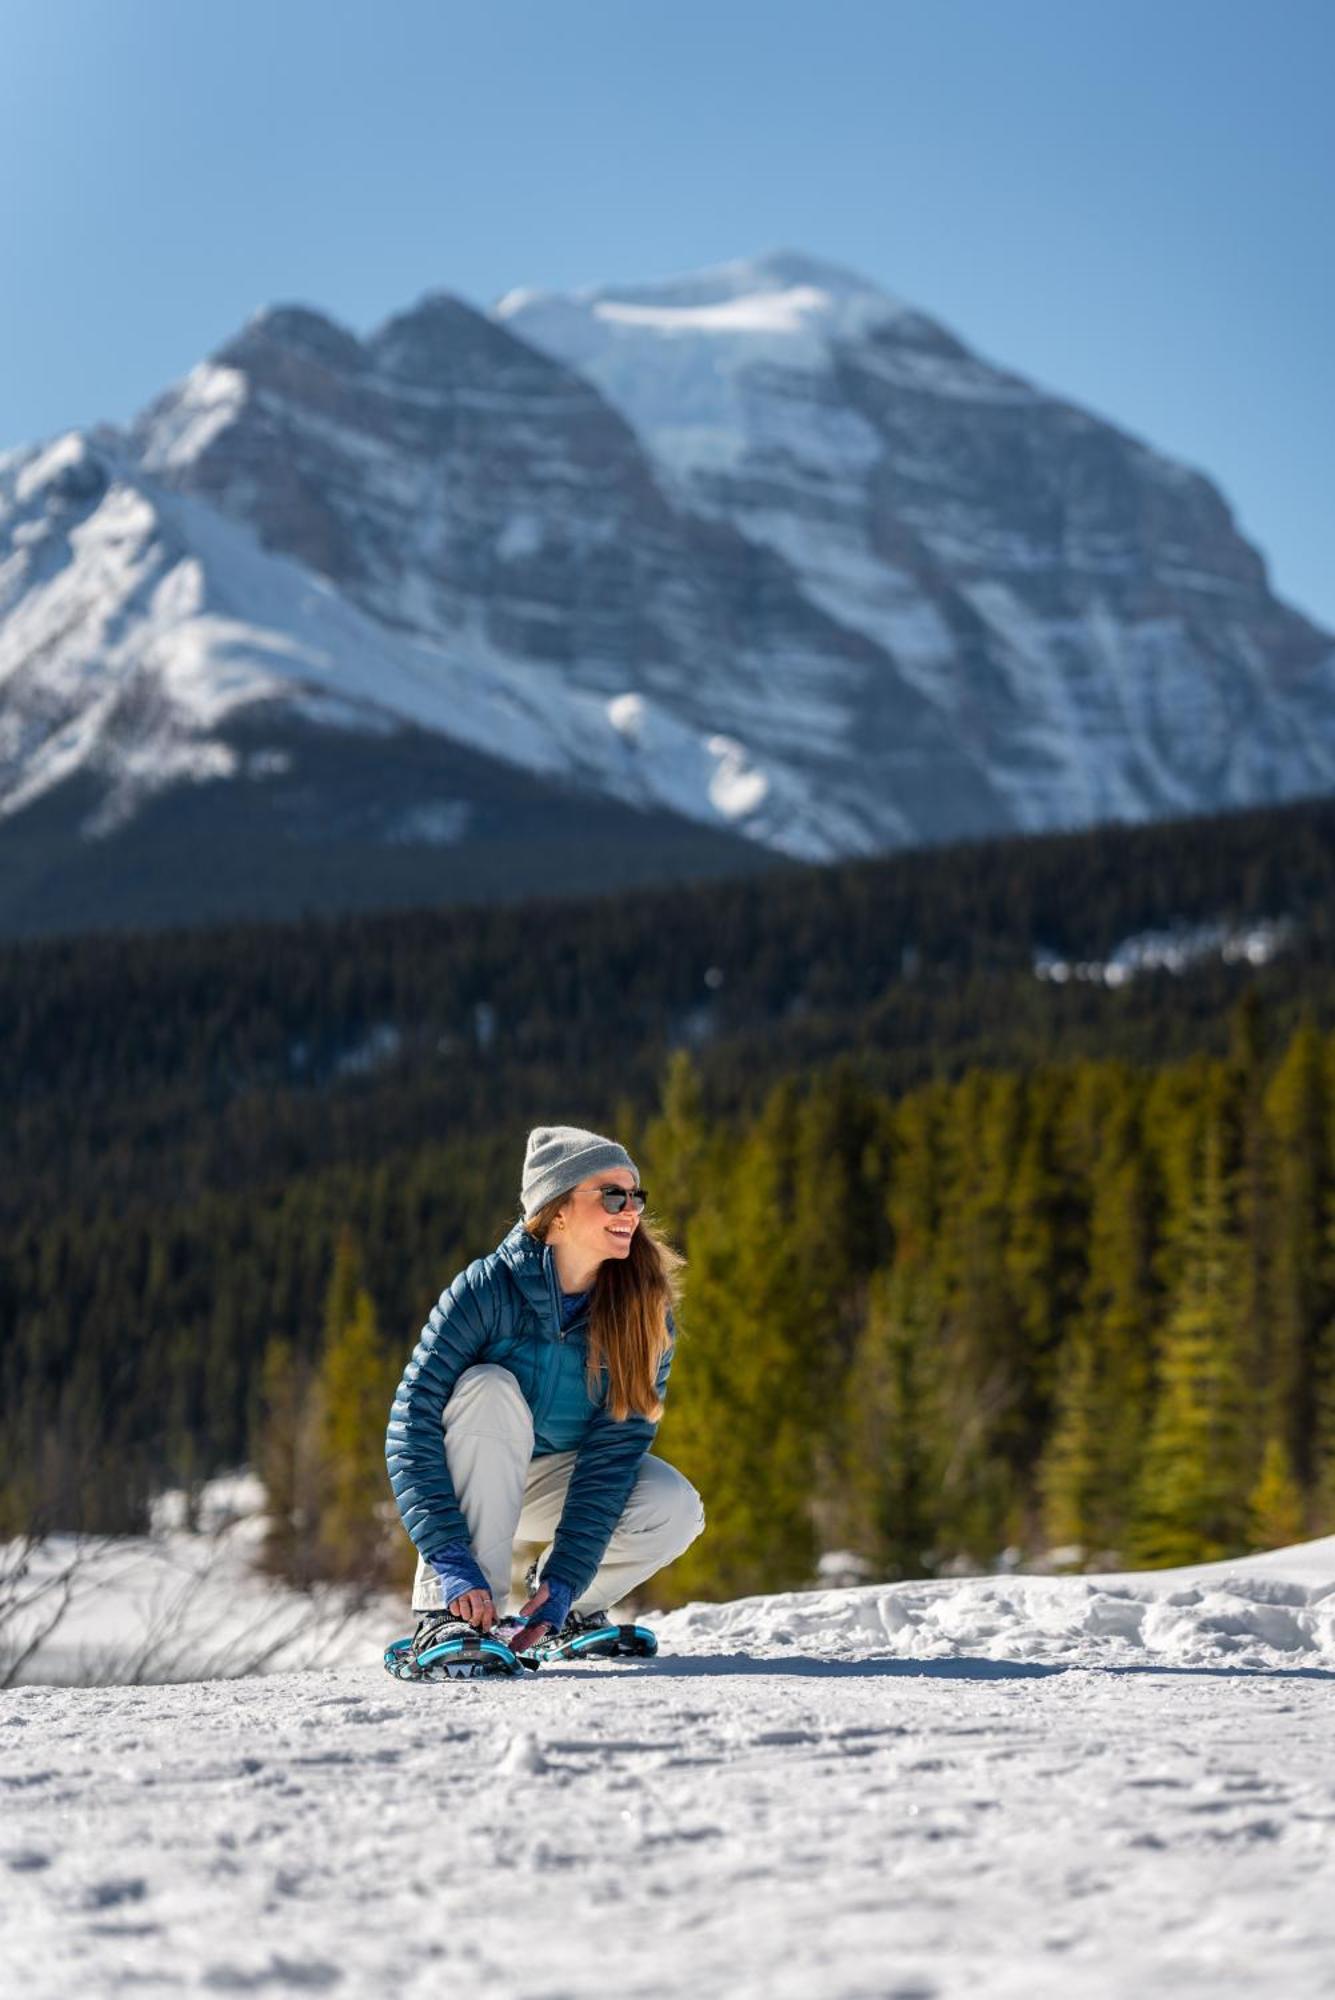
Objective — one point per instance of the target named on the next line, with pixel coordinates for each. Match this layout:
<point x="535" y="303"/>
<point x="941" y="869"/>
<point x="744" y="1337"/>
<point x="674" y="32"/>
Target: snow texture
<point x="1001" y="1786"/>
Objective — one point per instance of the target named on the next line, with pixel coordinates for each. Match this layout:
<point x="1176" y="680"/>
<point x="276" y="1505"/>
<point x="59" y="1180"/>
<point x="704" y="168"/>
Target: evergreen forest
<point x="981" y="1265"/>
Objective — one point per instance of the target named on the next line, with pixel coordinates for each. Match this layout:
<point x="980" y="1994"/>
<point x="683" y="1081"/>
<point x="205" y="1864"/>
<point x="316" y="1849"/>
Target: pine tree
<point x="893" y="1445"/>
<point x="1323" y="1387"/>
<point x="738" y="1420"/>
<point x="1297" y="1115"/>
<point x="674" y="1157"/>
<point x="895" y="1432"/>
<point x="354" y="1389"/>
<point x="840" y="1231"/>
<point x="1276" y="1503"/>
<point x="1192" y="1496"/>
<point x="1251" y="1145"/>
<point x="345" y="1285"/>
<point x="1093" y="1449"/>
<point x="1071" y="1471"/>
<point x="287" y="1460"/>
<point x="982" y="1359"/>
<point x="1323" y="1480"/>
<point x="1045" y="1232"/>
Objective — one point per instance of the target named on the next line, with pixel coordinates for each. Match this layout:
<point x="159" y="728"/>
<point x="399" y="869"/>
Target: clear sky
<point x="1128" y="201"/>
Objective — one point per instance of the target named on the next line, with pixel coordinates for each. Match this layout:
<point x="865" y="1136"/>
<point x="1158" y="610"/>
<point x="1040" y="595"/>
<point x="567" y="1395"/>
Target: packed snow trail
<point x="707" y="1824"/>
<point x="1008" y="1786"/>
<point x="992" y="1787"/>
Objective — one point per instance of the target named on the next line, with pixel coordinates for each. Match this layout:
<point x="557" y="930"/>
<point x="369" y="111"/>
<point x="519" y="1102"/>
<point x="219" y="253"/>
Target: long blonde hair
<point x="628" y="1309"/>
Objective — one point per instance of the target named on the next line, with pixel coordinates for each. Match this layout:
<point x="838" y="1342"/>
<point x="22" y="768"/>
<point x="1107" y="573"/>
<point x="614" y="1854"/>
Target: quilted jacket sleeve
<point x="456" y="1334"/>
<point x="602" y="1479"/>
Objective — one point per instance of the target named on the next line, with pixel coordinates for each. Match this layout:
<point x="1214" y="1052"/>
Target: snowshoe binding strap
<point x="457" y="1656"/>
<point x="600" y="1642"/>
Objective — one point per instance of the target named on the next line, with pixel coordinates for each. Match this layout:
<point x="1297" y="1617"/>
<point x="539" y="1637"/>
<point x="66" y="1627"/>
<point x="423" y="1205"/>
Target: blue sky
<point x="1128" y="201"/>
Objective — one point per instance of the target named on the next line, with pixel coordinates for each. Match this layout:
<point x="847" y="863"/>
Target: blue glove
<point x="457" y="1568"/>
<point x="553" y="1611"/>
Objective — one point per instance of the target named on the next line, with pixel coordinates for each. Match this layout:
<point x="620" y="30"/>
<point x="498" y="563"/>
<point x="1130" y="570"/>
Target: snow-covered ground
<point x="1015" y="1785"/>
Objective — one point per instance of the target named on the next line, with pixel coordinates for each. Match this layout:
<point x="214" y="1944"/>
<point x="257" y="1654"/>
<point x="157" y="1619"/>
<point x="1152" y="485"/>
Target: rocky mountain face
<point x="1079" y="611"/>
<point x="757" y="562"/>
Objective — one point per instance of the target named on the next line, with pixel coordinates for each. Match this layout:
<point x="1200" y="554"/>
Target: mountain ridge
<point x="758" y="545"/>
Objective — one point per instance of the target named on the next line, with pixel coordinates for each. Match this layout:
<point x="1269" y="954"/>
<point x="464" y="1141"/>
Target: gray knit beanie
<point x="559" y="1156"/>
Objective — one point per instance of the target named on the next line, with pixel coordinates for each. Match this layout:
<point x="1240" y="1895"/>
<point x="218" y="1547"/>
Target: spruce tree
<point x="981" y="1345"/>
<point x="1047" y="1224"/>
<point x="1093" y="1449"/>
<point x="840" y="1231"/>
<point x="1191" y="1503"/>
<point x="346" y="1282"/>
<point x="739" y="1415"/>
<point x="1276" y="1502"/>
<point x="354" y="1388"/>
<point x="895" y="1439"/>
<point x="1323" y="1385"/>
<point x="675" y="1154"/>
<point x="286" y="1458"/>
<point x="1300" y="1300"/>
<point x="894" y="1445"/>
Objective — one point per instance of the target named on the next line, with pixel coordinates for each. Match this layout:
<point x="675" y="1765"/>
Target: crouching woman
<point x="529" y="1405"/>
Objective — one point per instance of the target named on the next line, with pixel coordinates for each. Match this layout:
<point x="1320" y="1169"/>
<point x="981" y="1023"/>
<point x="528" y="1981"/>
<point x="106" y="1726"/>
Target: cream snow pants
<point x="507" y="1494"/>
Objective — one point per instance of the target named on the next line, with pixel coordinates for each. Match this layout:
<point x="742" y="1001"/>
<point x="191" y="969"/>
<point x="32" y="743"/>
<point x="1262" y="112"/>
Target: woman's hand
<point x="476" y="1606"/>
<point x="533" y="1626"/>
<point x="536" y="1626"/>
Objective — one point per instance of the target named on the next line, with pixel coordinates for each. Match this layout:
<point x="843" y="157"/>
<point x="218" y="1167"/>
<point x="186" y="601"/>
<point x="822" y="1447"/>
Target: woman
<point x="530" y="1403"/>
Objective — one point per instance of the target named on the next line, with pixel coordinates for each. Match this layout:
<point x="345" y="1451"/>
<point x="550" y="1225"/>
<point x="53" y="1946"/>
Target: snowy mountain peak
<point x="758" y="546"/>
<point x="799" y="302"/>
<point x="775" y="271"/>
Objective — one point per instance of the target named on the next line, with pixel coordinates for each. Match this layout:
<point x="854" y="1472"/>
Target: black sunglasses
<point x="614" y="1199"/>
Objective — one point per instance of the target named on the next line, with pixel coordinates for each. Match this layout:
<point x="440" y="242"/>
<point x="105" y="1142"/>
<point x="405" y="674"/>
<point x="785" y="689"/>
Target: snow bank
<point x="1257" y="1613"/>
<point x="184" y="1604"/>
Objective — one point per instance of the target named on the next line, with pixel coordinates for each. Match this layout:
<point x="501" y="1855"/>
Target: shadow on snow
<point x="959" y="1669"/>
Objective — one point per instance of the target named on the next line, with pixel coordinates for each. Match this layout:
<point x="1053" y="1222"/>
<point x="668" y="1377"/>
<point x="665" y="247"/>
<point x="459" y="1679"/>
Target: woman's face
<point x="585" y="1224"/>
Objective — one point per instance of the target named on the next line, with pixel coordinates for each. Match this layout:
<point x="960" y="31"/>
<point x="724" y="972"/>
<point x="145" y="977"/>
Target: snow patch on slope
<point x="1173" y="950"/>
<point x="182" y="1604"/>
<point x="1255" y="1613"/>
<point x="149" y="618"/>
<point x="202" y="405"/>
<point x="691" y="363"/>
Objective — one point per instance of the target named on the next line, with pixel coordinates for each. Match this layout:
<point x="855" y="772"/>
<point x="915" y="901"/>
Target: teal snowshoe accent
<point x="592" y="1635"/>
<point x="445" y="1648"/>
<point x="585" y="1634"/>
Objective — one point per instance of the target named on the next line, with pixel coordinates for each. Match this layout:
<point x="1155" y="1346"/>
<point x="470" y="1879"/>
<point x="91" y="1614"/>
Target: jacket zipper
<point x="552" y="1293"/>
<point x="553" y="1373"/>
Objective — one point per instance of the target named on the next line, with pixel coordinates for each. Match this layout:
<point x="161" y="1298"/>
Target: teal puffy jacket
<point x="505" y="1308"/>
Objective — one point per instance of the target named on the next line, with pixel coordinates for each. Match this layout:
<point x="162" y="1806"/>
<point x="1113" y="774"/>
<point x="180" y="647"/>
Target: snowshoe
<point x="445" y="1648"/>
<point x="592" y="1635"/>
<point x="584" y="1634"/>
